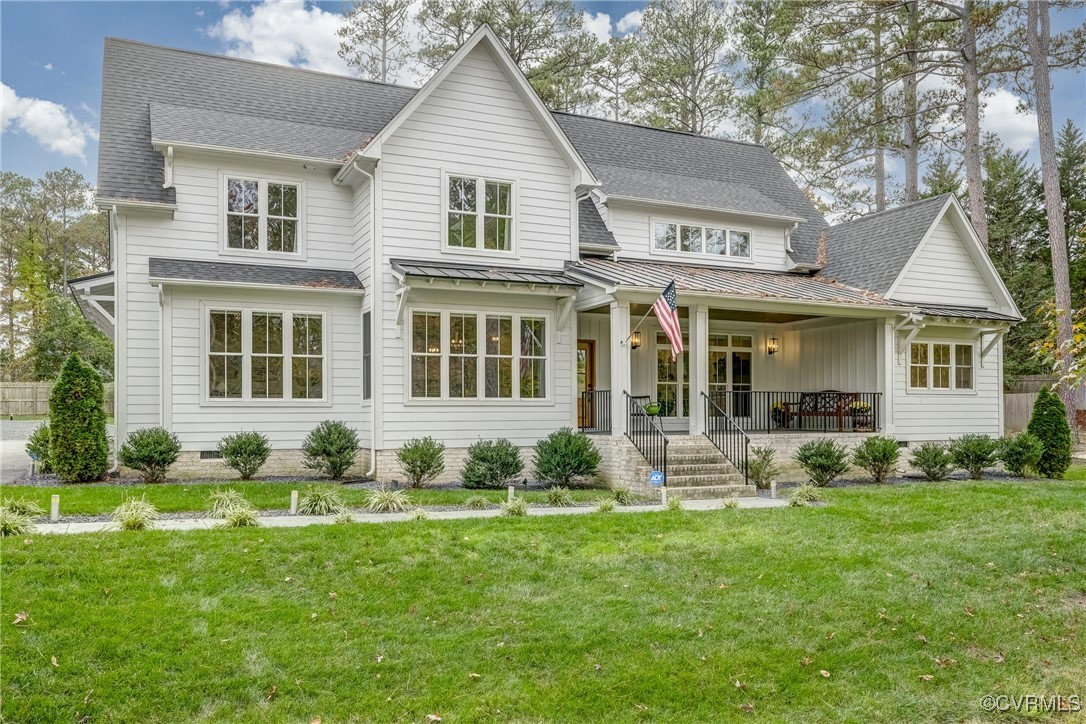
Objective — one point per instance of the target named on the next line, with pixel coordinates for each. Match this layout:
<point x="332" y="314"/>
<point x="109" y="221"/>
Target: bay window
<point x="940" y="366"/>
<point x="262" y="216"/>
<point x="706" y="240"/>
<point x="479" y="214"/>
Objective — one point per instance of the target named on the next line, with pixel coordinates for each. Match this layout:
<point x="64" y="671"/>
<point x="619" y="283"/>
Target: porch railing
<point x="595" y="411"/>
<point x="726" y="435"/>
<point x="645" y="433"/>
<point x="814" y="411"/>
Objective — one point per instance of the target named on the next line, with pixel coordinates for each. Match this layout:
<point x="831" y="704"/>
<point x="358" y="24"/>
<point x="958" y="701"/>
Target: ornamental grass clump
<point x="239" y="517"/>
<point x="422" y="460"/>
<point x="516" y="507"/>
<point x="623" y="496"/>
<point x="14" y="523"/>
<point x="1049" y="425"/>
<point x="674" y="504"/>
<point x="933" y="460"/>
<point x="606" y="505"/>
<point x="320" y="500"/>
<point x="491" y="464"/>
<point x="330" y="449"/>
<point x="135" y="514"/>
<point x="477" y="502"/>
<point x="1021" y="453"/>
<point x="78" y="445"/>
<point x="244" y="452"/>
<point x="22" y="506"/>
<point x="877" y="455"/>
<point x="565" y="456"/>
<point x="559" y="497"/>
<point x="150" y="450"/>
<point x="804" y="495"/>
<point x="387" y="500"/>
<point x="221" y="502"/>
<point x="973" y="453"/>
<point x="822" y="460"/>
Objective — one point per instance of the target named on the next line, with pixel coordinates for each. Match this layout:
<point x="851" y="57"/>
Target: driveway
<point x="14" y="462"/>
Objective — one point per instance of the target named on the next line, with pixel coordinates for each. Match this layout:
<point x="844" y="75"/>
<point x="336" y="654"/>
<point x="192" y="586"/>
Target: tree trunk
<point x="1037" y="38"/>
<point x="880" y="121"/>
<point x="911" y="114"/>
<point x="974" y="179"/>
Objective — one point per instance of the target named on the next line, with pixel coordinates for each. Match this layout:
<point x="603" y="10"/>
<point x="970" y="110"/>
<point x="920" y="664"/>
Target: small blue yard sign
<point x="656" y="478"/>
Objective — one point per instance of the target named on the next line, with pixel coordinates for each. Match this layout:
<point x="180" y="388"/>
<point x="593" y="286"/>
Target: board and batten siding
<point x="632" y="226"/>
<point x="943" y="271"/>
<point x="836" y="356"/>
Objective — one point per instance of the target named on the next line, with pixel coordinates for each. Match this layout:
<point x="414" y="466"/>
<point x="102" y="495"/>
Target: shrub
<point x="343" y="518"/>
<point x="565" y="455"/>
<point x="1049" y="425"/>
<point x="933" y="460"/>
<point x="37" y="447"/>
<point x="1021" y="453"/>
<point x="330" y="448"/>
<point x="135" y="514"/>
<point x="761" y="468"/>
<point x="477" y="502"/>
<point x="13" y="523"/>
<point x="239" y="517"/>
<point x="623" y="496"/>
<point x="731" y="503"/>
<point x="221" y="502"/>
<point x="822" y="460"/>
<point x="386" y="500"/>
<point x="515" y="507"/>
<point x="151" y="450"/>
<point x="973" y="453"/>
<point x="419" y="514"/>
<point x="422" y="459"/>
<point x="320" y="500"/>
<point x="804" y="494"/>
<point x="607" y="505"/>
<point x="674" y="504"/>
<point x="877" y="455"/>
<point x="22" y="506"/>
<point x="559" y="497"/>
<point x="491" y="464"/>
<point x="78" y="447"/>
<point x="244" y="452"/>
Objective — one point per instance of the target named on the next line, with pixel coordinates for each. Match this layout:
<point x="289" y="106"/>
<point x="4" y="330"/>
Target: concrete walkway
<point x="300" y="521"/>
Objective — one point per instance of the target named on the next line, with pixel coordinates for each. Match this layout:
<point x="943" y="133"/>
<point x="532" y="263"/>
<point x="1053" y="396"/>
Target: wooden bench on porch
<point x="822" y="405"/>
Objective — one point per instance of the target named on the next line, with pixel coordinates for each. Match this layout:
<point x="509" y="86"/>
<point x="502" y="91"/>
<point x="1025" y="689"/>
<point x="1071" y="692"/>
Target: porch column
<point x="886" y="356"/>
<point x="699" y="366"/>
<point x="620" y="365"/>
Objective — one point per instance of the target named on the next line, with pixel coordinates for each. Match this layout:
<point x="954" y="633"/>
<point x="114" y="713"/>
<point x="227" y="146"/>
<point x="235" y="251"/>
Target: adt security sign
<point x="656" y="478"/>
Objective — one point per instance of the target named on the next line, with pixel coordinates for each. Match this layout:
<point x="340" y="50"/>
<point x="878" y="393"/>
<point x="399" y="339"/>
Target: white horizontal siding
<point x="944" y="272"/>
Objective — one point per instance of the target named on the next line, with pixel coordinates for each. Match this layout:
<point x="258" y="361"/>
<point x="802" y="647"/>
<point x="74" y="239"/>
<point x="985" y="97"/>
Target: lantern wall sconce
<point x="635" y="339"/>
<point x="772" y="346"/>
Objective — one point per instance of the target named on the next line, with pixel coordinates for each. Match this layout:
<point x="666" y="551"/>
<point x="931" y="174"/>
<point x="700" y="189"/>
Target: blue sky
<point x="51" y="64"/>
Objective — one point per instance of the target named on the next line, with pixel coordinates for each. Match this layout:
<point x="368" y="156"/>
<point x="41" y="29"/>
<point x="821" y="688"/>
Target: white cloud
<point x="49" y="123"/>
<point x="199" y="12"/>
<point x="88" y="109"/>
<point x="287" y="33"/>
<point x="1000" y="115"/>
<point x="48" y="66"/>
<point x="599" y="25"/>
<point x="630" y="22"/>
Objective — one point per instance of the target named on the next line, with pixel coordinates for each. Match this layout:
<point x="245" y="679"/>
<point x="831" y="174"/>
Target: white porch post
<point x="620" y="365"/>
<point x="699" y="366"/>
<point x="886" y="356"/>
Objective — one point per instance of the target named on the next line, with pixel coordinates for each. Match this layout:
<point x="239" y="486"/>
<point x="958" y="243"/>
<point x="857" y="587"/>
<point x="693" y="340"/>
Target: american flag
<point x="667" y="314"/>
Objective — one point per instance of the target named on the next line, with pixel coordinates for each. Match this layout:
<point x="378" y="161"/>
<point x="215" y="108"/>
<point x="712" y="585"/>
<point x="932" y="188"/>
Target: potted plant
<point x="861" y="416"/>
<point x="781" y="414"/>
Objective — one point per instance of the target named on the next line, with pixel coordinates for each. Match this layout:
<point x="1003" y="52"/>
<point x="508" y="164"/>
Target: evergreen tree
<point x="374" y="39"/>
<point x="1049" y="425"/>
<point x="613" y="78"/>
<point x="1071" y="153"/>
<point x="78" y="446"/>
<point x="941" y="176"/>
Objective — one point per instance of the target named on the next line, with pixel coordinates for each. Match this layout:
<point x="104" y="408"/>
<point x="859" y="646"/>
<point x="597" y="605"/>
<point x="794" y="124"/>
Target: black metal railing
<point x="821" y="411"/>
<point x="595" y="411"/>
<point x="726" y="435"/>
<point x="645" y="433"/>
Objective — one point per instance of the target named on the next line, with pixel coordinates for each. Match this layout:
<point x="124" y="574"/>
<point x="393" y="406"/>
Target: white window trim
<point x="677" y="254"/>
<point x="953" y="389"/>
<point x="261" y="252"/>
<point x="247" y="311"/>
<point x="480" y="399"/>
<point x="514" y="225"/>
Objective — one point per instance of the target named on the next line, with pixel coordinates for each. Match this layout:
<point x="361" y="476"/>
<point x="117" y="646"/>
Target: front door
<point x="730" y="372"/>
<point x="586" y="381"/>
<point x="672" y="378"/>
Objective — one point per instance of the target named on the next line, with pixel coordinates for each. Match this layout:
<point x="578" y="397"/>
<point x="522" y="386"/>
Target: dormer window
<point x="479" y="214"/>
<point x="262" y="216"/>
<point x="706" y="240"/>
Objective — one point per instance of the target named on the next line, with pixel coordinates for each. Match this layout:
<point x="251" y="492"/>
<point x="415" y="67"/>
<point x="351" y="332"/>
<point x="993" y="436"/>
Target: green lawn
<point x="624" y="617"/>
<point x="169" y="498"/>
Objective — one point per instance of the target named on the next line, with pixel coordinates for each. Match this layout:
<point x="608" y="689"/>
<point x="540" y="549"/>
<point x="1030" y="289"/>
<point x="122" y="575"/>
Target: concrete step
<point x="711" y="491"/>
<point x="694" y="481"/>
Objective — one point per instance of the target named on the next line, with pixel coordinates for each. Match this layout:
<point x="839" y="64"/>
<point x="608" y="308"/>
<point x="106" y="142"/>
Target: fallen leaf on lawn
<point x="922" y="638"/>
<point x="806" y="661"/>
<point x="945" y="663"/>
<point x="433" y="717"/>
<point x="830" y="634"/>
<point x="641" y="707"/>
<point x="825" y="674"/>
<point x="21" y="617"/>
<point x="999" y="659"/>
<point x="380" y="658"/>
<point x="288" y="579"/>
<point x="703" y="658"/>
<point x="597" y="667"/>
<point x="315" y="720"/>
<point x="473" y="675"/>
<point x="700" y="633"/>
<point x="28" y="541"/>
<point x="739" y="684"/>
<point x="272" y="692"/>
<point x="748" y="708"/>
<point x="53" y="661"/>
<point x="312" y="615"/>
<point x="991" y="565"/>
<point x="926" y="677"/>
<point x="969" y="611"/>
<point x="86" y="699"/>
<point x="332" y="595"/>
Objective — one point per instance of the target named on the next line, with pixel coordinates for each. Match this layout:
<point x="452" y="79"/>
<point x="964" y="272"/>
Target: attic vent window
<point x="704" y="240"/>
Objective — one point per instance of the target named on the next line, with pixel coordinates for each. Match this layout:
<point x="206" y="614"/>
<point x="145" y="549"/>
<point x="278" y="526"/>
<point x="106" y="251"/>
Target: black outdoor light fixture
<point x="772" y="346"/>
<point x="635" y="339"/>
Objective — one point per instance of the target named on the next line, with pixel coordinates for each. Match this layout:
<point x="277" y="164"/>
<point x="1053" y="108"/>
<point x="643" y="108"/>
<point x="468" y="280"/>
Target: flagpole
<point x="636" y="326"/>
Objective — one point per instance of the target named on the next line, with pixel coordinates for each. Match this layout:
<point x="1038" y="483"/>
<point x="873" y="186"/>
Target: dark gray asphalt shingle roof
<point x="870" y="252"/>
<point x="482" y="273"/>
<point x="265" y="274"/>
<point x="590" y="226"/>
<point x="724" y="281"/>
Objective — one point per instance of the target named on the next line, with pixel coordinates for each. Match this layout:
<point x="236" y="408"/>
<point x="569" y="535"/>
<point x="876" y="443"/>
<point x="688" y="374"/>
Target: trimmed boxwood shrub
<point x="38" y="447"/>
<point x="877" y="455"/>
<point x="822" y="460"/>
<point x="973" y="453"/>
<point x="1049" y="425"/>
<point x="933" y="460"/>
<point x="151" y="450"/>
<point x="1021" y="453"/>
<point x="491" y="464"/>
<point x="244" y="452"/>
<point x="78" y="446"/>
<point x="330" y="448"/>
<point x="422" y="460"/>
<point x="565" y="455"/>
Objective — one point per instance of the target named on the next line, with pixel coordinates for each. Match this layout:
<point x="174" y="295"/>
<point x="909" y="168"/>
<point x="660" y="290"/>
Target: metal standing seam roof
<point x="264" y="274"/>
<point x="966" y="313"/>
<point x="725" y="281"/>
<point x="485" y="273"/>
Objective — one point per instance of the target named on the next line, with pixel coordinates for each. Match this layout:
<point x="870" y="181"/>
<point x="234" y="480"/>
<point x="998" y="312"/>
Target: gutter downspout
<point x="114" y="227"/>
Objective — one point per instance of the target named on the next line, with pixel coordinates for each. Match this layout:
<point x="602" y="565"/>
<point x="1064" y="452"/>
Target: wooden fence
<point x="1018" y="408"/>
<point x="31" y="399"/>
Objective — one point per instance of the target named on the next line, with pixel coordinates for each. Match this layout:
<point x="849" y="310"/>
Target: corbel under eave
<point x="167" y="180"/>
<point x="997" y="334"/>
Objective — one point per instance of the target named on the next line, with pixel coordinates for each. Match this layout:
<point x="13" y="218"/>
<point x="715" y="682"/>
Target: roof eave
<point x="161" y="145"/>
<point x="173" y="281"/>
<point x="108" y="202"/>
<point x="697" y="207"/>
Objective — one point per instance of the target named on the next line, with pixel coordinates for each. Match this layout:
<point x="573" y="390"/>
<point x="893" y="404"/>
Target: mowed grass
<point x="172" y="497"/>
<point x="904" y="603"/>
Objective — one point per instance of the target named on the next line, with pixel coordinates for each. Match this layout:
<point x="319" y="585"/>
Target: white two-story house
<point x="458" y="261"/>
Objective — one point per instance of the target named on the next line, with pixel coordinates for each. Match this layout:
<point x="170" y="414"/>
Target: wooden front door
<point x="586" y="380"/>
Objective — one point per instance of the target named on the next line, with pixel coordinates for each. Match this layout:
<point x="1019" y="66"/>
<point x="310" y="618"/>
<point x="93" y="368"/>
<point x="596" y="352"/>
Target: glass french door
<point x="672" y="378"/>
<point x="730" y="360"/>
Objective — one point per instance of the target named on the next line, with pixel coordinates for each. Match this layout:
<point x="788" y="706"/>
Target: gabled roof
<point x="264" y="275"/>
<point x="591" y="230"/>
<point x="870" y="252"/>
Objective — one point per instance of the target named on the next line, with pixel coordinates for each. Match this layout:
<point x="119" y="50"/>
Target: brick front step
<point x="698" y="481"/>
<point x="713" y="467"/>
<point x="711" y="491"/>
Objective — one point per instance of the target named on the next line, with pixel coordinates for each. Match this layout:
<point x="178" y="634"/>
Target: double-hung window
<point x="706" y="240"/>
<point x="479" y="214"/>
<point x="940" y="366"/>
<point x="262" y="216"/>
<point x="472" y="355"/>
<point x="265" y="355"/>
